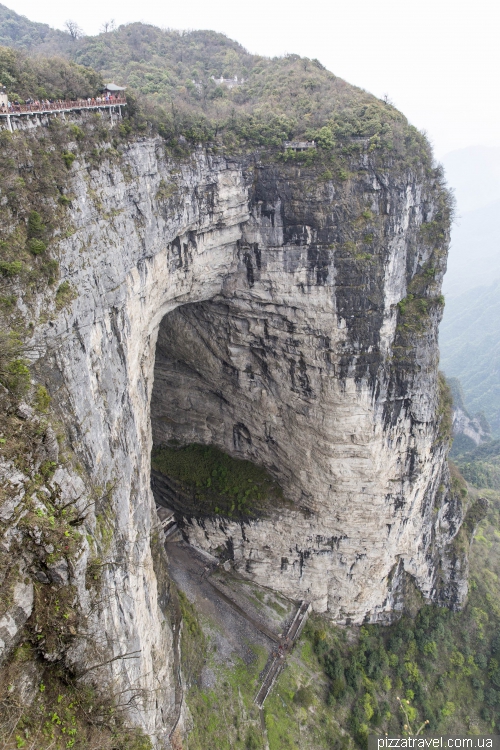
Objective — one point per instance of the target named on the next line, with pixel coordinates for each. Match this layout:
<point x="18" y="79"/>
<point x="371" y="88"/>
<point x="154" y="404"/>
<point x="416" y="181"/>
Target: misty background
<point x="470" y="331"/>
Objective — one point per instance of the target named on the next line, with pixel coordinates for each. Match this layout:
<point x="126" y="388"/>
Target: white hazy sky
<point x="438" y="60"/>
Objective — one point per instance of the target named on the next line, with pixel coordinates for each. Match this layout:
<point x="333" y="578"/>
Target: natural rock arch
<point x="297" y="281"/>
<point x="291" y="341"/>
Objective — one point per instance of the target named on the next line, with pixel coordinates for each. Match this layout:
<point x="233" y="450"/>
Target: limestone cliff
<point x="308" y="361"/>
<point x="285" y="314"/>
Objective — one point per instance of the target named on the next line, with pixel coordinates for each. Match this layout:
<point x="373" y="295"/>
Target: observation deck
<point x="8" y="117"/>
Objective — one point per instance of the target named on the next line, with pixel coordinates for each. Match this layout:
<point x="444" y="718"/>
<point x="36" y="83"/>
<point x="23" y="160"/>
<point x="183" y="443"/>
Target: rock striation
<point x="303" y="362"/>
<point x="285" y="316"/>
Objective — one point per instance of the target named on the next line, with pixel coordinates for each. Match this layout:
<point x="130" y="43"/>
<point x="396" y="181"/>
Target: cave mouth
<point x="206" y="460"/>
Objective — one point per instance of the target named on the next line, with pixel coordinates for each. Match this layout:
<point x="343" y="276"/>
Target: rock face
<point x="298" y="364"/>
<point x="476" y="429"/>
<point x="469" y="431"/>
<point x="273" y="294"/>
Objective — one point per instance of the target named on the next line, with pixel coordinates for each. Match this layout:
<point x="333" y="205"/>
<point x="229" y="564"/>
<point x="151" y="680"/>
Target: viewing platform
<point x="8" y="117"/>
<point x="299" y="145"/>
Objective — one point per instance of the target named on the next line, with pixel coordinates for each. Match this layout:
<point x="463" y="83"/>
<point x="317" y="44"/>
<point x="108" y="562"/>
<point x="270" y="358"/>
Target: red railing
<point x="57" y="106"/>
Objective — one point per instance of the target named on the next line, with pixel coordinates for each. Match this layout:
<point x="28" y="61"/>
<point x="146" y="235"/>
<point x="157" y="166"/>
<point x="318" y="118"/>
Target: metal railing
<point x="60" y="106"/>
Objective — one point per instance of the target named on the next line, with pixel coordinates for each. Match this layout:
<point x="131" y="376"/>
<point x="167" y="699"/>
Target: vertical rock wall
<point x="281" y="341"/>
<point x="147" y="236"/>
<point x="306" y="364"/>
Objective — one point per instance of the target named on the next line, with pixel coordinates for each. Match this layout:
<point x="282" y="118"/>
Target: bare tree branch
<point x="129" y="655"/>
<point x="108" y="26"/>
<point x="73" y="29"/>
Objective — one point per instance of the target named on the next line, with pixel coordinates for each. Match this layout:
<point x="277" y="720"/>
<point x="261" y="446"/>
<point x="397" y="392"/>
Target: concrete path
<point x="279" y="655"/>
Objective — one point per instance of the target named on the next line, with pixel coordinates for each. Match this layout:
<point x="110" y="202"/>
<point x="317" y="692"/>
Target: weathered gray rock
<point x="281" y="344"/>
<point x="50" y="445"/>
<point x="294" y="364"/>
<point x="475" y="428"/>
<point x="14" y="480"/>
<point x="24" y="411"/>
<point x="59" y="571"/>
<point x="20" y="608"/>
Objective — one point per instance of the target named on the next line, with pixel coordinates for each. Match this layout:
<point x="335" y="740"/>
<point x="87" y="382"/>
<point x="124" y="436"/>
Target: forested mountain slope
<point x="174" y="74"/>
<point x="18" y="31"/>
<point x="470" y="348"/>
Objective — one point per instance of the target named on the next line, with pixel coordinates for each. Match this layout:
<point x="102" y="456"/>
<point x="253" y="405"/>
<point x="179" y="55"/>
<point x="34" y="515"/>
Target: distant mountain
<point x="470" y="331"/>
<point x="470" y="349"/>
<point x="469" y="431"/>
<point x="18" y="31"/>
<point x="474" y="175"/>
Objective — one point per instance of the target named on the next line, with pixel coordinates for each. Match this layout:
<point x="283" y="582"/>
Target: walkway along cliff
<point x="286" y="315"/>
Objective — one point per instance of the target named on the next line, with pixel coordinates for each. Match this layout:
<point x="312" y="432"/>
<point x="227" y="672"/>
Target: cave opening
<point x="213" y="473"/>
<point x="208" y="459"/>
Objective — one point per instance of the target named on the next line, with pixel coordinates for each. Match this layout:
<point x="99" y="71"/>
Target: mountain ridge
<point x="177" y="77"/>
<point x="470" y="348"/>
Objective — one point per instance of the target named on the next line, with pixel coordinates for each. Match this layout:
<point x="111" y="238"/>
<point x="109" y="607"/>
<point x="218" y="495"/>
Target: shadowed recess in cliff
<point x="201" y="480"/>
<point x="203" y="437"/>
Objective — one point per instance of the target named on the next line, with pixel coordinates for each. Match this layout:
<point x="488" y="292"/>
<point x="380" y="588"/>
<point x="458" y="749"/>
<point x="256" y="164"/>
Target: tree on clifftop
<point x="74" y="30"/>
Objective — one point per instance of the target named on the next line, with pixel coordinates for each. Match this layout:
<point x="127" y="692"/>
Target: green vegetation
<point x="280" y="99"/>
<point x="63" y="714"/>
<point x="481" y="466"/>
<point x="194" y="642"/>
<point x="35" y="226"/>
<point x="12" y="268"/>
<point x="226" y="717"/>
<point x="432" y="661"/>
<point x="171" y="80"/>
<point x="217" y="483"/>
<point x="478" y="464"/>
<point x="45" y="78"/>
<point x="18" y="31"/>
<point x="41" y="400"/>
<point x="37" y="247"/>
<point x="65" y="294"/>
<point x="17" y="376"/>
<point x="68" y="158"/>
<point x="441" y="667"/>
<point x="14" y="373"/>
<point x="414" y="310"/>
